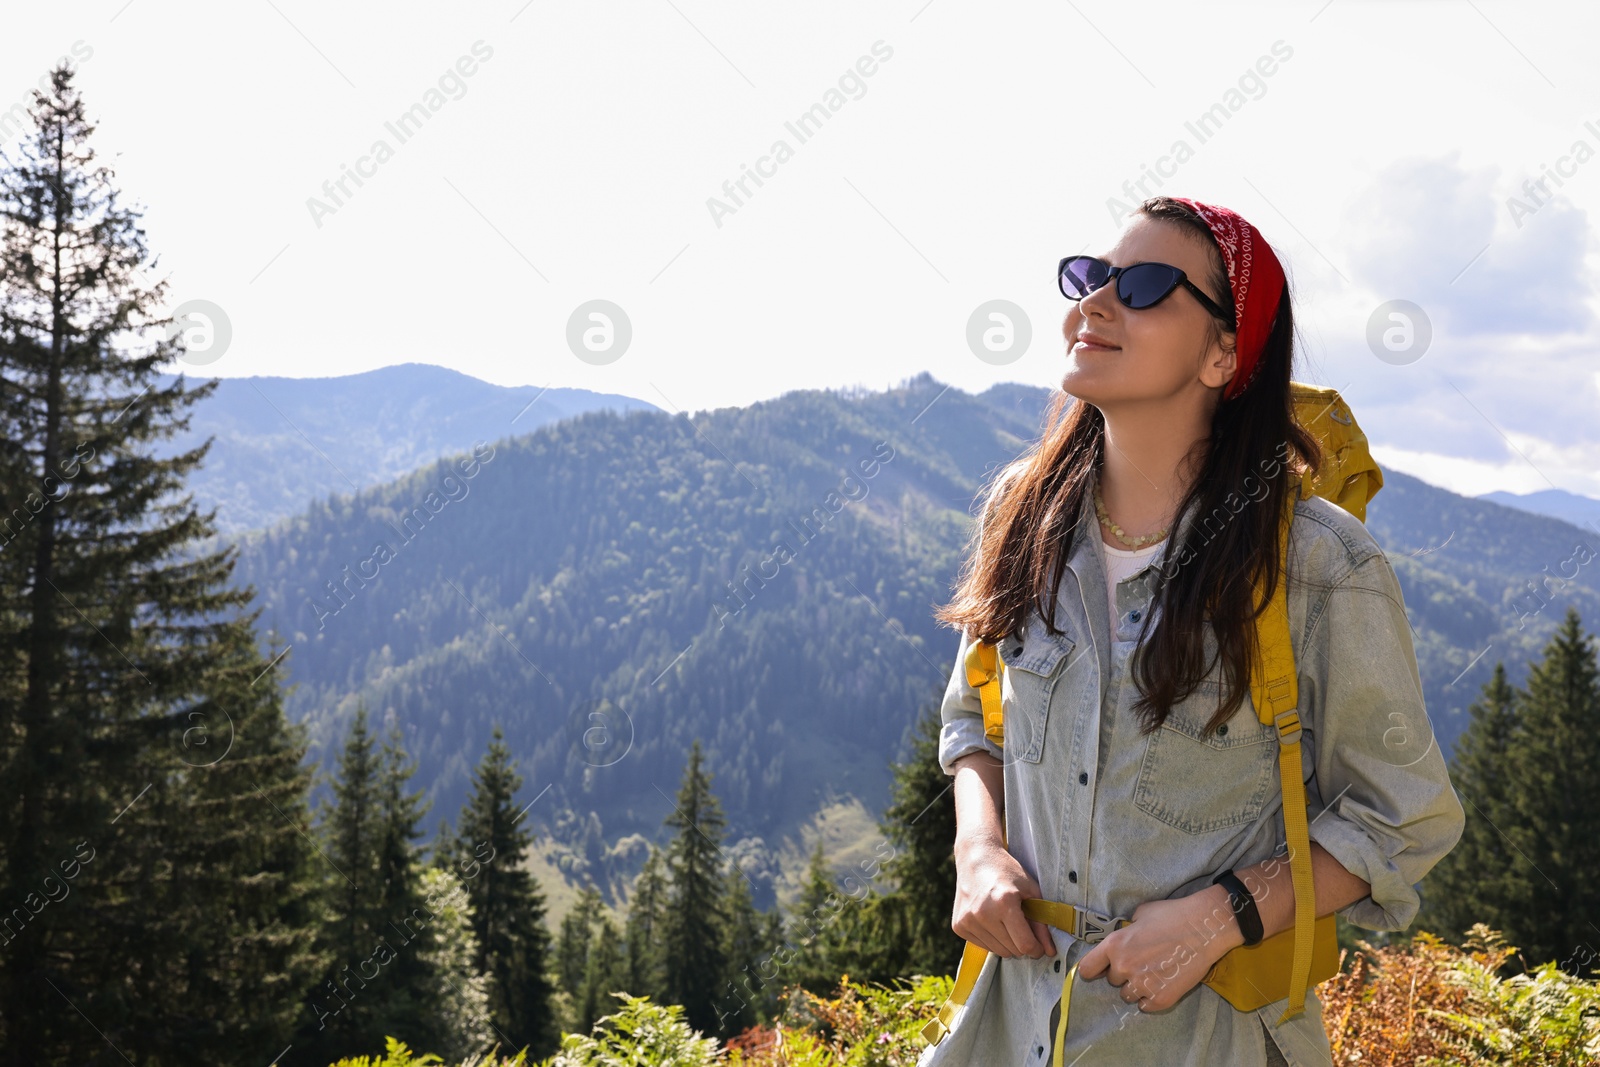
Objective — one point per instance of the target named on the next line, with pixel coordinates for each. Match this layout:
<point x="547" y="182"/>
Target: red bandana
<point x="1256" y="277"/>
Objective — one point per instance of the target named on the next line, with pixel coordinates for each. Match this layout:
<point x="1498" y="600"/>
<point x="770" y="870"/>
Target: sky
<point x="540" y="193"/>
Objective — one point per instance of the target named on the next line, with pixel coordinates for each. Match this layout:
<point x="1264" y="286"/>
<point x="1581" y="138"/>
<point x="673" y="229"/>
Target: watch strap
<point x="1244" y="906"/>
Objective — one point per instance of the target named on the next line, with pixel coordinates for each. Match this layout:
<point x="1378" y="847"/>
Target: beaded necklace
<point x="1117" y="531"/>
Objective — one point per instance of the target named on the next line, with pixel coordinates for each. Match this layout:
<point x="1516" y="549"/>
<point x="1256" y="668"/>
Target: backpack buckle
<point x="1093" y="926"/>
<point x="1288" y="724"/>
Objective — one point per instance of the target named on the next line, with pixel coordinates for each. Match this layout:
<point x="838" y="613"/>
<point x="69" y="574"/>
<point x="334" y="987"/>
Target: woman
<point x="1135" y="771"/>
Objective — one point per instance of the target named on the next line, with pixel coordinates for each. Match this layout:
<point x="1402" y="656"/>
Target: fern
<point x="1422" y="1004"/>
<point x="397" y="1054"/>
<point x="639" y="1034"/>
<point x="1541" y="1018"/>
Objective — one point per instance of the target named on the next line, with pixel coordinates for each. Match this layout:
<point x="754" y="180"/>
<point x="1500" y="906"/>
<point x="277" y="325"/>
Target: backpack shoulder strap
<point x="1275" y="688"/>
<point x="984" y="667"/>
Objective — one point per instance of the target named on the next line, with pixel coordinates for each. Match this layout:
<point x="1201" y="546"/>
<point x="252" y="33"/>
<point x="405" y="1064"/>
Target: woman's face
<point x="1158" y="352"/>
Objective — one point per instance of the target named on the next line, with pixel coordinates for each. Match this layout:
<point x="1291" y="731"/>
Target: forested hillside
<point x="762" y="578"/>
<point x="618" y="585"/>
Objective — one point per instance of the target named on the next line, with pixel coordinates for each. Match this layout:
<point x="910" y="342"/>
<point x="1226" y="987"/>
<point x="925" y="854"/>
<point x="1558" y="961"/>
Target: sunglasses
<point x="1140" y="286"/>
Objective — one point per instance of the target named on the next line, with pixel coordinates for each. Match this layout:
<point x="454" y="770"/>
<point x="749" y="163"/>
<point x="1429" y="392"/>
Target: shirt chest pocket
<point x="1034" y="667"/>
<point x="1198" y="783"/>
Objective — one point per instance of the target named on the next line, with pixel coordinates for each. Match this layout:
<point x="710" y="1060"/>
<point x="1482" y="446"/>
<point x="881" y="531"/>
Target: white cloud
<point x="1514" y="474"/>
<point x="1436" y="233"/>
<point x="984" y="151"/>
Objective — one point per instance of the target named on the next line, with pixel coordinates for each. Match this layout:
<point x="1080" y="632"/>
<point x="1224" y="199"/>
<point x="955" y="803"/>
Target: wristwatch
<point x="1244" y="906"/>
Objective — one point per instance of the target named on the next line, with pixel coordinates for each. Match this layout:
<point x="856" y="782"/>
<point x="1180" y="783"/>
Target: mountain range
<point x="280" y="443"/>
<point x="1557" y="503"/>
<point x="618" y="583"/>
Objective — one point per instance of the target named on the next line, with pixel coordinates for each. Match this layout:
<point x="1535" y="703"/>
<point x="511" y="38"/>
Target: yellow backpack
<point x="1249" y="976"/>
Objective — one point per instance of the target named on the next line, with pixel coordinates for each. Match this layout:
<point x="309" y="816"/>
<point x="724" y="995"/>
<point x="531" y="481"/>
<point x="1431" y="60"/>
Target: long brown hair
<point x="1254" y="456"/>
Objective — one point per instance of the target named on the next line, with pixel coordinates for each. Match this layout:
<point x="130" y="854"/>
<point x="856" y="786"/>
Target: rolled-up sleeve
<point x="1388" y="812"/>
<point x="961" y="717"/>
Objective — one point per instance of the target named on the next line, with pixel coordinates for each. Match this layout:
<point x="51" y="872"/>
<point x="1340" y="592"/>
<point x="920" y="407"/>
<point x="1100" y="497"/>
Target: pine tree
<point x="400" y="812"/>
<point x="769" y="978"/>
<point x="808" y="920"/>
<point x="696" y="964"/>
<point x="741" y="1000"/>
<point x="607" y="970"/>
<point x="408" y="985"/>
<point x="1474" y="882"/>
<point x="351" y="827"/>
<point x="147" y="769"/>
<point x="380" y="930"/>
<point x="1527" y="770"/>
<point x="920" y="824"/>
<point x="508" y="906"/>
<point x="590" y="962"/>
<point x="592" y="965"/>
<point x="218" y="903"/>
<point x="448" y="855"/>
<point x="644" y="933"/>
<point x="572" y="959"/>
<point x="1553" y="778"/>
<point x="816" y="889"/>
<point x="876" y="934"/>
<point x="348" y="1008"/>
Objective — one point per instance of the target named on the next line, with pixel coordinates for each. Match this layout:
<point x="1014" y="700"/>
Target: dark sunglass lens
<point x="1146" y="284"/>
<point x="1082" y="276"/>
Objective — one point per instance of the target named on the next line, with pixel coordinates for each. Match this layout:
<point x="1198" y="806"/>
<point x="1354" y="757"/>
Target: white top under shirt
<point x="1120" y="563"/>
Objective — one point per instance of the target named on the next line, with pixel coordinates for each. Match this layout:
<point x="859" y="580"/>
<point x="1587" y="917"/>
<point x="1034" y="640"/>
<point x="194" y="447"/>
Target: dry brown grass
<point x="1371" y="1007"/>
<point x="1421" y="1004"/>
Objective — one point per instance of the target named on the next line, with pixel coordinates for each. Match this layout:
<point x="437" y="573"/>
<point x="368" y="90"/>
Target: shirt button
<point x="1072" y="876"/>
<point x="1083" y="777"/>
<point x="1222" y="730"/>
<point x="1134" y="614"/>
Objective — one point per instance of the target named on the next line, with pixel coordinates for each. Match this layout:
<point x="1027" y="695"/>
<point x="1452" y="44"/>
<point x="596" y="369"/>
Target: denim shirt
<point x="1105" y="818"/>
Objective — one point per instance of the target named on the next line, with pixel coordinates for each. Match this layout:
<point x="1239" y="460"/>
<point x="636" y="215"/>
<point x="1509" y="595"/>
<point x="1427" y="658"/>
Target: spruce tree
<point x="408" y="984"/>
<point x="572" y="960"/>
<point x="816" y="890"/>
<point x="351" y="829"/>
<point x="1527" y="770"/>
<point x="152" y="829"/>
<point x="741" y="1000"/>
<point x="235" y="854"/>
<point x="380" y="930"/>
<point x="813" y="913"/>
<point x="592" y="963"/>
<point x="607" y="970"/>
<point x="920" y="825"/>
<point x="696" y="964"/>
<point x="1553" y="778"/>
<point x="645" y="929"/>
<point x="508" y="907"/>
<point x="768" y="978"/>
<point x="1480" y="880"/>
<point x="881" y="928"/>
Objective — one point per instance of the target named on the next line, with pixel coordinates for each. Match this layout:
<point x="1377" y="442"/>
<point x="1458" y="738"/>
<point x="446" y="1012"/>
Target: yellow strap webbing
<point x="983" y="673"/>
<point x="1055" y="913"/>
<point x="1276" y="692"/>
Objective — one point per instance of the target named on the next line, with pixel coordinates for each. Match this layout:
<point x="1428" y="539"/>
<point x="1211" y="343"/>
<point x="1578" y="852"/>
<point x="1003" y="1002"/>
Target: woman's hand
<point x="990" y="888"/>
<point x="1167" y="949"/>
